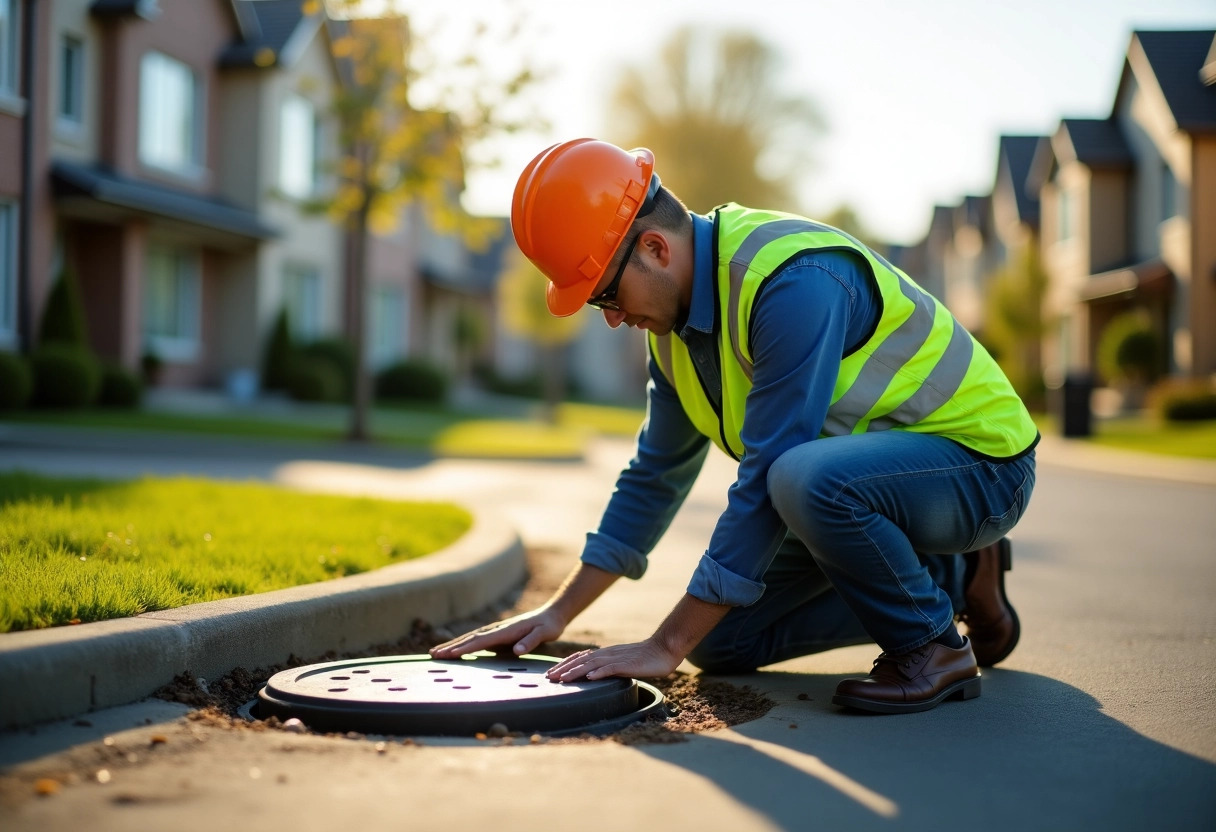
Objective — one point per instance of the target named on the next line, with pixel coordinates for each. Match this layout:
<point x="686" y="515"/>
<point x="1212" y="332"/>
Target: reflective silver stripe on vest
<point x="882" y="365"/>
<point x="741" y="261"/>
<point x="663" y="356"/>
<point x="943" y="382"/>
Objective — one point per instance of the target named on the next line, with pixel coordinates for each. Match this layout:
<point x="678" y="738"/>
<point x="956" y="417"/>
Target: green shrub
<point x="1129" y="350"/>
<point x="341" y="355"/>
<point x="276" y="363"/>
<point x="119" y="387"/>
<point x="531" y="386"/>
<point x="16" y="383"/>
<point x="63" y="319"/>
<point x="315" y="380"/>
<point x="413" y="380"/>
<point x="1184" y="401"/>
<point x="64" y="376"/>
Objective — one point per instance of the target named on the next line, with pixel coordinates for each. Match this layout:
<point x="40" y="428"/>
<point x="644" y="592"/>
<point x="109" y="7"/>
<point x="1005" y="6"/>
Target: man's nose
<point x="614" y="317"/>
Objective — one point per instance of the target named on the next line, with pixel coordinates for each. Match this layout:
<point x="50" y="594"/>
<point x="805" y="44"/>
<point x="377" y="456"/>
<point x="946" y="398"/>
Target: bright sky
<point x="915" y="92"/>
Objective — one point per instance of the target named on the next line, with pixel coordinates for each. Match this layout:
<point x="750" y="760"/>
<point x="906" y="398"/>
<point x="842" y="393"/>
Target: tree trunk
<point x="362" y="400"/>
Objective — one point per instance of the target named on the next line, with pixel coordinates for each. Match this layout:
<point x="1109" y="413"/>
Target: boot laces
<point x="903" y="659"/>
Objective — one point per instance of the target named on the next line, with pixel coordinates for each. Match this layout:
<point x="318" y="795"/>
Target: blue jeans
<point x="875" y="524"/>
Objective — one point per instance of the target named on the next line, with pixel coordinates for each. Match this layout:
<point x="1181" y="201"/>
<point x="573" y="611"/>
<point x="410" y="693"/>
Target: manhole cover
<point x="421" y="695"/>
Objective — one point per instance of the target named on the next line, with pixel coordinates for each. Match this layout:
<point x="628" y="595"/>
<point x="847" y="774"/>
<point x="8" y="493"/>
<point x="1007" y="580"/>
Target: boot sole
<point x="962" y="689"/>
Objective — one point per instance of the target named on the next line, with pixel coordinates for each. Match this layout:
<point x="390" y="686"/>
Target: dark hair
<point x="667" y="213"/>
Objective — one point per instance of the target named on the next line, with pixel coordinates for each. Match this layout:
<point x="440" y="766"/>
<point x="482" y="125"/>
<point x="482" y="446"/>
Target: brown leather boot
<point x="992" y="623"/>
<point x="918" y="680"/>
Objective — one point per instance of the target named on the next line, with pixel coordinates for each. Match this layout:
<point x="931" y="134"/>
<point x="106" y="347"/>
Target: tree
<point x="397" y="151"/>
<point x="1014" y="322"/>
<point x="712" y="111"/>
<point x="525" y="315"/>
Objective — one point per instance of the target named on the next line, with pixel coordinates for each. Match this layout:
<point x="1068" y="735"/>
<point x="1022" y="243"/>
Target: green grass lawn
<point x="433" y="430"/>
<point x="75" y="550"/>
<point x="1147" y="434"/>
<point x="1193" y="439"/>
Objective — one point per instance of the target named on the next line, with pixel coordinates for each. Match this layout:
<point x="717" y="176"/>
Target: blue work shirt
<point x="812" y="312"/>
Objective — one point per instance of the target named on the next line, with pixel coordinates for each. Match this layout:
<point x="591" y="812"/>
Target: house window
<point x="71" y="81"/>
<point x="388" y="325"/>
<point x="1169" y="192"/>
<point x="302" y="296"/>
<point x="169" y="128"/>
<point x="8" y="273"/>
<point x="172" y="300"/>
<point x="9" y="42"/>
<point x="298" y="147"/>
<point x="1065" y="208"/>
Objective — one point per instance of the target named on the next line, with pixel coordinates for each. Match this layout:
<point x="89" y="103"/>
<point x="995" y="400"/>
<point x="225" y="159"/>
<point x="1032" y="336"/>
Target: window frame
<point x="72" y="122"/>
<point x="192" y="166"/>
<point x="10" y="51"/>
<point x="313" y="131"/>
<point x="309" y="326"/>
<point x="183" y="345"/>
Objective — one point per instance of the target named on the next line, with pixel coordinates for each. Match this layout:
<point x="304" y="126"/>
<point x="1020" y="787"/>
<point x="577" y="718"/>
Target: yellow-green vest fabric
<point x="919" y="371"/>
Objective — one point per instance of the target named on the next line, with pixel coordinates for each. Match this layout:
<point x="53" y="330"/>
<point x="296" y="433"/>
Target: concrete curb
<point x="64" y="671"/>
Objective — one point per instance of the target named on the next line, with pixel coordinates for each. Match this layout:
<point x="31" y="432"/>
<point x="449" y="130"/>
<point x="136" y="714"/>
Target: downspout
<point x="25" y="336"/>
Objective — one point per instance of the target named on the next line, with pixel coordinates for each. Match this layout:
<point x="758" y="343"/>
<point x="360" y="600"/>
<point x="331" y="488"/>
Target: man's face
<point x="646" y="295"/>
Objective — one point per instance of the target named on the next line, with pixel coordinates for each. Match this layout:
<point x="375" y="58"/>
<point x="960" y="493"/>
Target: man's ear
<point x="657" y="247"/>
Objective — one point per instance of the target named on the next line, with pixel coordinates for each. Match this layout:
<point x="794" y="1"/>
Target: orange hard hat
<point x="573" y="205"/>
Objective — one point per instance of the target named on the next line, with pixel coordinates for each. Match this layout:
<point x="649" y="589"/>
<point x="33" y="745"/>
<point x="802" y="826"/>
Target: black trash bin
<point x="1076" y="418"/>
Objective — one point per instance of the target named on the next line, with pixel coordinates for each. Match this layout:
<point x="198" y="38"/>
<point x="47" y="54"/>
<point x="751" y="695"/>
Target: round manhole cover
<point x="421" y="695"/>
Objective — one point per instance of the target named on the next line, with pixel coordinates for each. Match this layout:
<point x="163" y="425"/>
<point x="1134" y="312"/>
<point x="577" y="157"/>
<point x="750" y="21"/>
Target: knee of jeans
<point x="718" y="654"/>
<point x="796" y="479"/>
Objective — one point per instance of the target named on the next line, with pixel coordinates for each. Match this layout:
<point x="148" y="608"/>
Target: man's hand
<point x="646" y="658"/>
<point x="523" y="633"/>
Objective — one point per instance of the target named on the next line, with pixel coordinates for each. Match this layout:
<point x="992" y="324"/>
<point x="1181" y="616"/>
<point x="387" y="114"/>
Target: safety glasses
<point x="607" y="298"/>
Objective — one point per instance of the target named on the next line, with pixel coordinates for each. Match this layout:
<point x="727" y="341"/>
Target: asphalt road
<point x="1103" y="718"/>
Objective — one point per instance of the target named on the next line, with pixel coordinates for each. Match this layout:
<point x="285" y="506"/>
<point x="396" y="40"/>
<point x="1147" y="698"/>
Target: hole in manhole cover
<point x="419" y="695"/>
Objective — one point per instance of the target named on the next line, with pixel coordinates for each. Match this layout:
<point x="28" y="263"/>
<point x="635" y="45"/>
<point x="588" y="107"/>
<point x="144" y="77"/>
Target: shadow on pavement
<point x="1031" y="753"/>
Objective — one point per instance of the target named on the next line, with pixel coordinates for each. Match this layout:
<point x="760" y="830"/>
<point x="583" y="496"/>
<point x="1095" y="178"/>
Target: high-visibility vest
<point x="919" y="371"/>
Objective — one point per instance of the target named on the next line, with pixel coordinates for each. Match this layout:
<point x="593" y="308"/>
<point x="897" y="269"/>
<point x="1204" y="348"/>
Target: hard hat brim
<point x="564" y="302"/>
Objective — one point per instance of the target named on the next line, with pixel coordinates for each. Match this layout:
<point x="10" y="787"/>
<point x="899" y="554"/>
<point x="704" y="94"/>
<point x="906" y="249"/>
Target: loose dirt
<point x="696" y="703"/>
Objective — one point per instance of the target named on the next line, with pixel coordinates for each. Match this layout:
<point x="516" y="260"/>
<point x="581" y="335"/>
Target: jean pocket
<point x="997" y="526"/>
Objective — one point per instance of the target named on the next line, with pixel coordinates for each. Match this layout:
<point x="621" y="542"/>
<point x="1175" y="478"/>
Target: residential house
<point x="1129" y="208"/>
<point x="137" y="172"/>
<point x="166" y="156"/>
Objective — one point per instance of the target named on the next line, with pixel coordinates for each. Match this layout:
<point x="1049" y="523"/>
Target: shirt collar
<point x="701" y="310"/>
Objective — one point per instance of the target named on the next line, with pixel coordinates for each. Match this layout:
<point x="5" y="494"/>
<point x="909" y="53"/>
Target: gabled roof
<point x="1177" y="59"/>
<point x="1014" y="155"/>
<point x="273" y="33"/>
<point x="1094" y="142"/>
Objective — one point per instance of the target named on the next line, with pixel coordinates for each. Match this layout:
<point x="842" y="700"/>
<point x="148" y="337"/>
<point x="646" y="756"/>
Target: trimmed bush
<point x="315" y="380"/>
<point x="413" y="380"/>
<point x="119" y="387"/>
<point x="63" y="319"/>
<point x="16" y="382"/>
<point x="1130" y="350"/>
<point x="64" y="376"/>
<point x="276" y="363"/>
<point x="341" y="355"/>
<point x="1184" y="401"/>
